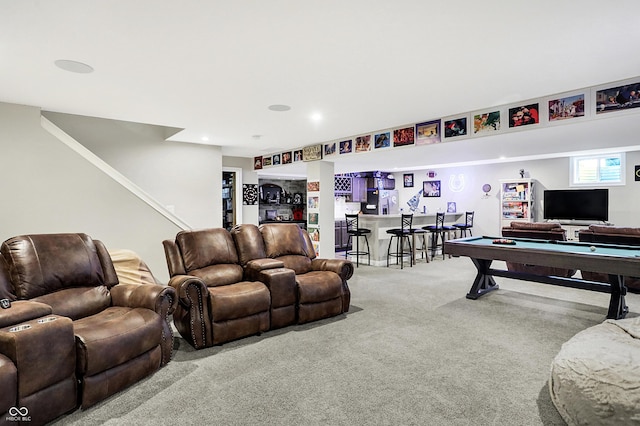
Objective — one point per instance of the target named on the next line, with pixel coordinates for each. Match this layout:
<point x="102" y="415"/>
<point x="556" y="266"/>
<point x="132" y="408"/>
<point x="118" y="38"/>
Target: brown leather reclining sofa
<point x="241" y="283"/>
<point x="537" y="231"/>
<point x="70" y="333"/>
<point x="611" y="235"/>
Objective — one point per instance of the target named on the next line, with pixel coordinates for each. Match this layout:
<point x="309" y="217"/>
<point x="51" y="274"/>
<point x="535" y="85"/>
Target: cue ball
<point x="592" y="248"/>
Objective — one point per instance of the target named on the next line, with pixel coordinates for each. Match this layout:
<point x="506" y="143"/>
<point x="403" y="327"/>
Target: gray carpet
<point x="411" y="351"/>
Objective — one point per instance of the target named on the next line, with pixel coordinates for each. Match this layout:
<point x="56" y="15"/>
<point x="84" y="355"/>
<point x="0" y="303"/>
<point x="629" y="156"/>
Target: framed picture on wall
<point x="486" y="122"/>
<point x="403" y="137"/>
<point x="330" y="149"/>
<point x="524" y="115"/>
<point x="618" y="98"/>
<point x="382" y="140"/>
<point x="312" y="153"/>
<point x="431" y="188"/>
<point x="286" y="157"/>
<point x="313" y="218"/>
<point x="257" y="163"/>
<point x="346" y="147"/>
<point x="408" y="180"/>
<point x="363" y="143"/>
<point x="455" y="127"/>
<point x="566" y="108"/>
<point x="428" y="132"/>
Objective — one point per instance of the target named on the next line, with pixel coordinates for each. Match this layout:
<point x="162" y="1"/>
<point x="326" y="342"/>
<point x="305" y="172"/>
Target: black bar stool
<point x="354" y="230"/>
<point x="438" y="233"/>
<point x="401" y="234"/>
<point x="466" y="226"/>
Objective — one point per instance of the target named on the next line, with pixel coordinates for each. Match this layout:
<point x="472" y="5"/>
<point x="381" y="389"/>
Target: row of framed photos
<point x="567" y="107"/>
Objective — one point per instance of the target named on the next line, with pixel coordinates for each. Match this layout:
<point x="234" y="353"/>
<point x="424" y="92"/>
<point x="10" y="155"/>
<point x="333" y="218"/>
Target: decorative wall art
<point x="408" y="180"/>
<point x="618" y="98"/>
<point x="363" y="143"/>
<point x="455" y="127"/>
<point x="524" y="115"/>
<point x="314" y="233"/>
<point x="404" y="136"/>
<point x="330" y="149"/>
<point x="451" y="207"/>
<point x="346" y="147"/>
<point x="313" y="202"/>
<point x="428" y="132"/>
<point x="431" y="188"/>
<point x="622" y="95"/>
<point x="487" y="122"/>
<point x="257" y="163"/>
<point x="382" y="140"/>
<point x="313" y="186"/>
<point x="249" y="194"/>
<point x="313" y="218"/>
<point x="312" y="153"/>
<point x="566" y="108"/>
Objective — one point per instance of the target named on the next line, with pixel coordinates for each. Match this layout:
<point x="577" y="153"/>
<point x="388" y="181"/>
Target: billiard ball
<point x="592" y="248"/>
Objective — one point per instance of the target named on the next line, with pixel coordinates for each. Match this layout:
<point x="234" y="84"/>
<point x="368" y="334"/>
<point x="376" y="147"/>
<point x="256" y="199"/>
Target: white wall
<point x="624" y="204"/>
<point x="50" y="188"/>
<point x="185" y="178"/>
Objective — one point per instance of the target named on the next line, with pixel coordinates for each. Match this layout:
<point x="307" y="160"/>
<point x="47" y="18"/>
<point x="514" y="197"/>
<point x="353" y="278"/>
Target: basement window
<point x="598" y="170"/>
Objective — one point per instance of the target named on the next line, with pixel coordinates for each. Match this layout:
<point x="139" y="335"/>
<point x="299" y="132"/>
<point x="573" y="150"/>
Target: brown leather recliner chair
<point x="216" y="304"/>
<point x="72" y="319"/>
<point x="537" y="231"/>
<point x="321" y="284"/>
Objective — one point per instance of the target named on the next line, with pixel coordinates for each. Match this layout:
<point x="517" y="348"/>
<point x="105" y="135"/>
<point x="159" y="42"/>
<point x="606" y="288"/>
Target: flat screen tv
<point x="577" y="204"/>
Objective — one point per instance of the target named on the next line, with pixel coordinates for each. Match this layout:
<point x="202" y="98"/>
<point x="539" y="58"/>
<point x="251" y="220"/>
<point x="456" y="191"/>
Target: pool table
<point x="614" y="260"/>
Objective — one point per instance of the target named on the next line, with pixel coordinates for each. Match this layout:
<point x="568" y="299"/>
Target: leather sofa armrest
<point x="344" y="268"/>
<point x="254" y="267"/>
<point x="192" y="318"/>
<point x="21" y="311"/>
<point x="159" y="298"/>
<point x="188" y="289"/>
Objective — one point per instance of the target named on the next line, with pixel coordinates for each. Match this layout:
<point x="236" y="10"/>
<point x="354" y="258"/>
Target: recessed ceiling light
<point x="316" y="117"/>
<point x="73" y="66"/>
<point x="279" y="108"/>
<point x="205" y="139"/>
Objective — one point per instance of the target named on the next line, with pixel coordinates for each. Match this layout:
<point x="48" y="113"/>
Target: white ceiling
<point x="212" y="68"/>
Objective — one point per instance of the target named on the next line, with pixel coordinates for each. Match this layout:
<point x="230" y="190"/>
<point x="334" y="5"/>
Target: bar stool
<point x="438" y="232"/>
<point x="401" y="234"/>
<point x="466" y="226"/>
<point x="354" y="230"/>
<point x="422" y="247"/>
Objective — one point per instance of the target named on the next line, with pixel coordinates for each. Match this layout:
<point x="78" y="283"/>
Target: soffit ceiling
<point x="212" y="69"/>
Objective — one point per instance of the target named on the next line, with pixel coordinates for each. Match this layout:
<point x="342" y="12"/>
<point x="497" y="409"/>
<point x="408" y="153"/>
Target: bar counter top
<point x="379" y="224"/>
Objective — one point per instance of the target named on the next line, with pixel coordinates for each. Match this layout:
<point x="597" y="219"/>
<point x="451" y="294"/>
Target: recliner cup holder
<point x="48" y="319"/>
<point x="19" y="328"/>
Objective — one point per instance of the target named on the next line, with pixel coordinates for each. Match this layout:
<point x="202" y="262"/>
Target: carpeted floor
<point x="411" y="351"/>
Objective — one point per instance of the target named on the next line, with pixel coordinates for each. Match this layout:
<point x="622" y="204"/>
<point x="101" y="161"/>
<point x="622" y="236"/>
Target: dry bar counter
<point x="379" y="224"/>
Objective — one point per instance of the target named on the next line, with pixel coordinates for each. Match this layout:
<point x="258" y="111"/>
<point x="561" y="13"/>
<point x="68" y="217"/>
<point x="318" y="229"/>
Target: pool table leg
<point x="484" y="282"/>
<point x="618" y="308"/>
